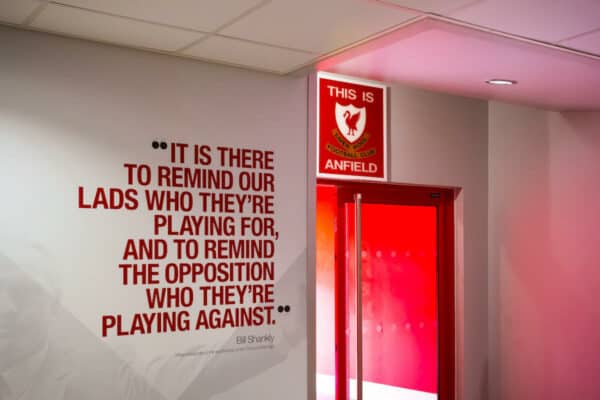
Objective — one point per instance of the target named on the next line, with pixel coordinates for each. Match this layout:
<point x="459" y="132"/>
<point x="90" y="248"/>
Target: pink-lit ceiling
<point x="438" y="55"/>
<point x="447" y="45"/>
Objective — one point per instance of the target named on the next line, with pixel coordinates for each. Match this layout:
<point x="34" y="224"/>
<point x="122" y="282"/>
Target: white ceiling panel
<point x="432" y="6"/>
<point x="459" y="60"/>
<point x="204" y="15"/>
<point x="86" y="24"/>
<point x="15" y="12"/>
<point x="317" y="25"/>
<point x="249" y="54"/>
<point x="589" y="42"/>
<point x="546" y="20"/>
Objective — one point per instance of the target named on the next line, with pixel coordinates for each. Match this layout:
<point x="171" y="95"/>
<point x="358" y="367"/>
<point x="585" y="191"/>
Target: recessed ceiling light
<point x="501" y="82"/>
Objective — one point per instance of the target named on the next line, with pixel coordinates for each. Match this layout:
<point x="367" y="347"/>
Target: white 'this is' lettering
<point x="343" y="93"/>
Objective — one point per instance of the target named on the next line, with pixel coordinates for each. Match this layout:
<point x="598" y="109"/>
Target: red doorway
<point x="395" y="340"/>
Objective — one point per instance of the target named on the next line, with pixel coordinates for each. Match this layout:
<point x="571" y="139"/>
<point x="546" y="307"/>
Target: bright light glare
<point x="501" y="82"/>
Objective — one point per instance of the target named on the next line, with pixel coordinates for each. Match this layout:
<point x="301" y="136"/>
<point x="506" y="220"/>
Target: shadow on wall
<point x="544" y="213"/>
<point x="46" y="353"/>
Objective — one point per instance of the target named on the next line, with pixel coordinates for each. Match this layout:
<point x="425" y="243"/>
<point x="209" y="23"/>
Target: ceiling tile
<point x="249" y="54"/>
<point x="15" y="12"/>
<point x="455" y="59"/>
<point x="589" y="43"/>
<point x="204" y="15"/>
<point x="89" y="25"/>
<point x="432" y="6"/>
<point x="316" y="25"/>
<point x="545" y="20"/>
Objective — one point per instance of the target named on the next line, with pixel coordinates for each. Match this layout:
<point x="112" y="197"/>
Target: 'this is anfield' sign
<point x="351" y="132"/>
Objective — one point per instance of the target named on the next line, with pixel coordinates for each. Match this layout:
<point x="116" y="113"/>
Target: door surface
<point x="393" y="284"/>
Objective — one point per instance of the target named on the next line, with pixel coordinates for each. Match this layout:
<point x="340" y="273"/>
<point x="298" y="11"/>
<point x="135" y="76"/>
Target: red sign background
<point x="345" y="150"/>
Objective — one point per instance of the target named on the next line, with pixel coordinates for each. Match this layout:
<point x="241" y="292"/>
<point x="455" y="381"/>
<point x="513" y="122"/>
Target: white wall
<point x="58" y="92"/>
<point x="71" y="113"/>
<point x="441" y="140"/>
<point x="543" y="259"/>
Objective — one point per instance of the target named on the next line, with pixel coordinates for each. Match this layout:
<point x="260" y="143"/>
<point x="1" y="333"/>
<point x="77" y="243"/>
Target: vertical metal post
<point x="358" y="263"/>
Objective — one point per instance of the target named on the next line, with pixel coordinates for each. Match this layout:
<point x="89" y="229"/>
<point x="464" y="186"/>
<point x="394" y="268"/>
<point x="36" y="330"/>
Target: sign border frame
<point x="360" y="81"/>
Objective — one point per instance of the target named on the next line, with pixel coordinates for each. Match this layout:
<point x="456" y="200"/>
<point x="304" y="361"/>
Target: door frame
<point x="385" y="193"/>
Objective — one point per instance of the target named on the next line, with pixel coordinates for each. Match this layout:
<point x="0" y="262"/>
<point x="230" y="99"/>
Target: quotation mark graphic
<point x="283" y="308"/>
<point x="156" y="144"/>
